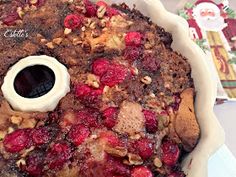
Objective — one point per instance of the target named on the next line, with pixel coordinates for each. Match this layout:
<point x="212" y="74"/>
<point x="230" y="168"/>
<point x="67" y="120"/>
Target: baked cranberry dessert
<point x="130" y="111"/>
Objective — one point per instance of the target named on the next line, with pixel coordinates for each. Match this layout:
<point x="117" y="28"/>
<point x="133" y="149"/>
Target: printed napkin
<point x="213" y="28"/>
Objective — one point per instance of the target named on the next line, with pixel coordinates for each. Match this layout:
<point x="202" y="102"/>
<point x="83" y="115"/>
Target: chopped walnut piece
<point x="76" y="41"/>
<point x="27" y="151"/>
<point x="157" y="162"/>
<point x="28" y="123"/>
<point x="16" y="120"/>
<point x="2" y="134"/>
<point x="43" y="40"/>
<point x="101" y="11"/>
<point x="20" y="12"/>
<point x="20" y="162"/>
<point x="135" y="137"/>
<point x="92" y="25"/>
<point x="147" y="80"/>
<point x="116" y="151"/>
<point x="83" y="28"/>
<point x="96" y="33"/>
<point x="134" y="159"/>
<point x="10" y="130"/>
<point x="118" y="21"/>
<point x="33" y="1"/>
<point x="50" y="45"/>
<point x="67" y="31"/>
<point x="93" y="80"/>
<point x="57" y="40"/>
<point x="116" y="42"/>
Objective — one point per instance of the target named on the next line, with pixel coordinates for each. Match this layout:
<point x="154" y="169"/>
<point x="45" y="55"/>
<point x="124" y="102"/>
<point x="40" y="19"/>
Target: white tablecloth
<point x="222" y="164"/>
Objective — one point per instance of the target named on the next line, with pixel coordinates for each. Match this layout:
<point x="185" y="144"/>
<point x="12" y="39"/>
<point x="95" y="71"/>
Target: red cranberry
<point x="34" y="164"/>
<point x="141" y="172"/>
<point x="151" y="63"/>
<point x="145" y="148"/>
<point x="72" y="21"/>
<point x="114" y="167"/>
<point x="110" y="138"/>
<point x="133" y="39"/>
<point x="88" y="117"/>
<point x="78" y="134"/>
<point x="58" y="155"/>
<point x="170" y="153"/>
<point x="16" y="141"/>
<point x="151" y="121"/>
<point x="176" y="174"/>
<point x="112" y="12"/>
<point x="87" y="94"/>
<point x="110" y="115"/>
<point x="40" y="136"/>
<point x="115" y="74"/>
<point x="100" y="66"/>
<point x="102" y="3"/>
<point x="132" y="53"/>
<point x="82" y="90"/>
<point x="91" y="9"/>
<point x="11" y="19"/>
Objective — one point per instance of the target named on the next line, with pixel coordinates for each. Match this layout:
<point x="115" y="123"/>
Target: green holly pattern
<point x="183" y="14"/>
<point x="231" y="13"/>
<point x="233" y="59"/>
<point x="202" y="43"/>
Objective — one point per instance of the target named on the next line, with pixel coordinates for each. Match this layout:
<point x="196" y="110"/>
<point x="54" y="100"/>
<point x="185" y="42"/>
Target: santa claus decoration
<point x="208" y="15"/>
<point x="211" y="24"/>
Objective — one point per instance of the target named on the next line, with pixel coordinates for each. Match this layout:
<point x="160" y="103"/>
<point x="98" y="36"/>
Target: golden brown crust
<point x="186" y="125"/>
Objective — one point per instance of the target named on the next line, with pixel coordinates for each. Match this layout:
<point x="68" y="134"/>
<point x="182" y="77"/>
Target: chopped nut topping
<point x="67" y="31"/>
<point x="157" y="162"/>
<point x="43" y="40"/>
<point x="87" y="22"/>
<point x="83" y="28"/>
<point x="95" y="33"/>
<point x="57" y="40"/>
<point x="103" y="23"/>
<point x="135" y="71"/>
<point x="2" y="134"/>
<point x="93" y="80"/>
<point x="101" y="11"/>
<point x="116" y="151"/>
<point x="76" y="41"/>
<point x="20" y="12"/>
<point x="152" y="95"/>
<point x="26" y="152"/>
<point x="134" y="159"/>
<point x="33" y="1"/>
<point x="147" y="80"/>
<point x="16" y="120"/>
<point x="135" y="137"/>
<point x="50" y="45"/>
<point x="92" y="25"/>
<point x="20" y="162"/>
<point x="10" y="130"/>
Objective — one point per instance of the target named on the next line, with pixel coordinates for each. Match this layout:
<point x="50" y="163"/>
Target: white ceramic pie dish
<point x="212" y="134"/>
